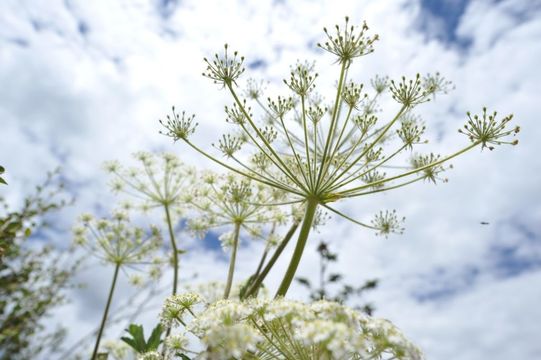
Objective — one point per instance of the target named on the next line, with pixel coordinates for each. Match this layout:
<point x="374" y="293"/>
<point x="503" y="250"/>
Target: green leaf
<point x="130" y="342"/>
<point x="27" y="232"/>
<point x="2" y="181"/>
<point x="304" y="281"/>
<point x="154" y="339"/>
<point x="335" y="277"/>
<point x="182" y="356"/>
<point x="2" y="170"/>
<point x="137" y="342"/>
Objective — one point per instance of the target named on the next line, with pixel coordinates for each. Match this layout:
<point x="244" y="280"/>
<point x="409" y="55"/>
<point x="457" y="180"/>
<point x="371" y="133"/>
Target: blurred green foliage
<point x="334" y="281"/>
<point x="33" y="276"/>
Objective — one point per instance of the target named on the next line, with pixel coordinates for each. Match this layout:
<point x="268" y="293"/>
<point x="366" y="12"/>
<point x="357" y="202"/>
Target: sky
<point x="85" y="82"/>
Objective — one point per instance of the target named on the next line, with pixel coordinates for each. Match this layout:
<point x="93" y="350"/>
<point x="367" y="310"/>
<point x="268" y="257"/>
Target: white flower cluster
<point x="176" y="306"/>
<point x="151" y="355"/>
<point x="115" y="240"/>
<point x="287" y="329"/>
<point x="213" y="291"/>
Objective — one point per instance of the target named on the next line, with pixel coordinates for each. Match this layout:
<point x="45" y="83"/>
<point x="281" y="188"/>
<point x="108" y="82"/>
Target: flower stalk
<point x="232" y="261"/>
<point x="260" y="277"/>
<point x="174" y="246"/>
<point x="106" y="311"/>
<point x="309" y="214"/>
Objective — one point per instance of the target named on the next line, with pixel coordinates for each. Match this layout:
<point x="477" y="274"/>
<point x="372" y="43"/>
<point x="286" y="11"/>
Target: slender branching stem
<point x="305" y="131"/>
<point x="106" y="312"/>
<point x="349" y="218"/>
<point x="339" y="139"/>
<point x="285" y="169"/>
<point x="255" y="178"/>
<point x="256" y="284"/>
<point x="343" y="172"/>
<point x="174" y="246"/>
<point x="325" y="156"/>
<point x="232" y="261"/>
<point x="295" y="155"/>
<point x="310" y="211"/>
<point x="354" y="176"/>
<point x="414" y="171"/>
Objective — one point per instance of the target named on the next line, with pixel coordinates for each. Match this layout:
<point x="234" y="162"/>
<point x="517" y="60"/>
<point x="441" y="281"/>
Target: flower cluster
<point x="349" y="42"/>
<point x="487" y="131"/>
<point x="319" y="155"/>
<point x="226" y="200"/>
<point x="115" y="240"/>
<point x="176" y="306"/>
<point x="179" y="125"/>
<point x="160" y="179"/>
<point x="286" y="329"/>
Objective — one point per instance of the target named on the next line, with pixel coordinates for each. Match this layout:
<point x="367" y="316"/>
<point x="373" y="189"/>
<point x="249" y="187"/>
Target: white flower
<point x="177" y="342"/>
<point x="151" y="355"/>
<point x="176" y="306"/>
<point x="231" y="341"/>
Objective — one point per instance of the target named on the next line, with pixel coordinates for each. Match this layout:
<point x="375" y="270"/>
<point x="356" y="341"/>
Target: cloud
<point x="87" y="81"/>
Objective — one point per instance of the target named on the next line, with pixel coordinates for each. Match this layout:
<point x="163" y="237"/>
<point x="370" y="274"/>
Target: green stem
<point x="254" y="287"/>
<point x="232" y="261"/>
<point x="174" y="246"/>
<point x="414" y="171"/>
<point x="106" y="312"/>
<point x="324" y="156"/>
<point x="310" y="211"/>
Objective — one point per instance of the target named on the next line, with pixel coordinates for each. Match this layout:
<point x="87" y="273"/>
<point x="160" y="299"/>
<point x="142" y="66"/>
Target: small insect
<point x="484" y="223"/>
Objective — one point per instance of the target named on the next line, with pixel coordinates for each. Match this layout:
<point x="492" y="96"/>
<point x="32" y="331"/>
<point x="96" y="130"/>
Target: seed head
<point x="410" y="131"/>
<point x="352" y="94"/>
<point x="235" y="115"/>
<point x="388" y="222"/>
<point x="488" y="131"/>
<point x="281" y="106"/>
<point x="409" y="93"/>
<point x="224" y="69"/>
<point x="380" y="83"/>
<point x="430" y="173"/>
<point x="302" y="79"/>
<point x="349" y="42"/>
<point x="315" y="113"/>
<point x="254" y="89"/>
<point x="435" y="83"/>
<point x="179" y="126"/>
<point x="374" y="177"/>
<point x="365" y="123"/>
<point x="229" y="145"/>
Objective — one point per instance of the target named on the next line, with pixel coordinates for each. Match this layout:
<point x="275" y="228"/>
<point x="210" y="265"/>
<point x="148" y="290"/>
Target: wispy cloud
<point x="85" y="82"/>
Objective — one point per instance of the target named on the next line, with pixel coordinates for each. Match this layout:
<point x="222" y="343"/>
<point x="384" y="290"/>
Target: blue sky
<point x="85" y="82"/>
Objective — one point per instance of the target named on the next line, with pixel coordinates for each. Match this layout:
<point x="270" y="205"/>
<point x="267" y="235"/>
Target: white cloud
<point x="78" y="98"/>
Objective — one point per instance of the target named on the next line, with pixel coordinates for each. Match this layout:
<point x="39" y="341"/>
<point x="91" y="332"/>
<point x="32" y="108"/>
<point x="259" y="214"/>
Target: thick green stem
<point x="232" y="261"/>
<point x="254" y="287"/>
<point x="106" y="312"/>
<point x="310" y="211"/>
<point x="174" y="246"/>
